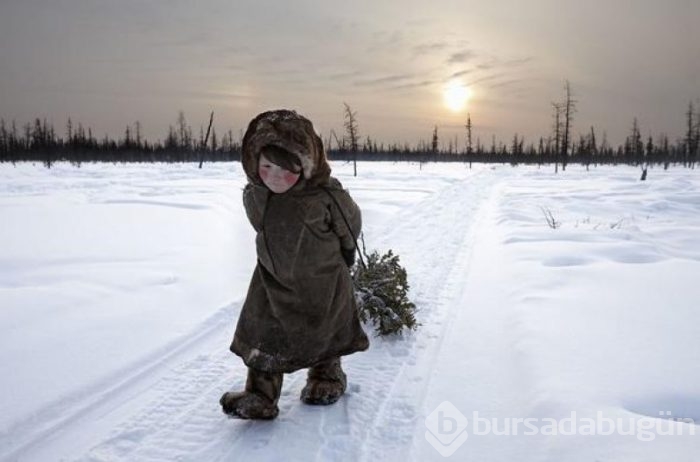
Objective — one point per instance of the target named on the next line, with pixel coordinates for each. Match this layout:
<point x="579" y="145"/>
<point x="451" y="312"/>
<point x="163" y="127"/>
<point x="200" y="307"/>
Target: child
<point x="300" y="309"/>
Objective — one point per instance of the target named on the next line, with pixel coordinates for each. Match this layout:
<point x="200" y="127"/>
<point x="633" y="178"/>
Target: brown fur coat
<point x="300" y="308"/>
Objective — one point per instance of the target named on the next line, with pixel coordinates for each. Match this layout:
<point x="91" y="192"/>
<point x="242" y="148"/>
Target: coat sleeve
<point x="254" y="201"/>
<point x="343" y="209"/>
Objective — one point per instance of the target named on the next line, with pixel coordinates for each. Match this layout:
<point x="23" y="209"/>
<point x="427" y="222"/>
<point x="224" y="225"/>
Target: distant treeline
<point x="39" y="142"/>
<point x="586" y="152"/>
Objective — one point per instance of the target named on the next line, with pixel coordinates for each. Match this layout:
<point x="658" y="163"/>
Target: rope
<point x="340" y="209"/>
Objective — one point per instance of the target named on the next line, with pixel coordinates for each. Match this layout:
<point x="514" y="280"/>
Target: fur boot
<point x="325" y="384"/>
<point x="258" y="400"/>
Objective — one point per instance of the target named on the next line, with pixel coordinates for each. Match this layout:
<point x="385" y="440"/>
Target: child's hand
<point x="348" y="256"/>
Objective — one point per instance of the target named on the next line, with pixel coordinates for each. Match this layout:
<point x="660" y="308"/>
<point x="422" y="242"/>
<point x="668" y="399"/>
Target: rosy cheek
<point x="291" y="177"/>
<point x="263" y="174"/>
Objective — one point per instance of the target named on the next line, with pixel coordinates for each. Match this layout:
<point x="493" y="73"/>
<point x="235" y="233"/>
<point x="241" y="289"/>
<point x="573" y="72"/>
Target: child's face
<point x="277" y="179"/>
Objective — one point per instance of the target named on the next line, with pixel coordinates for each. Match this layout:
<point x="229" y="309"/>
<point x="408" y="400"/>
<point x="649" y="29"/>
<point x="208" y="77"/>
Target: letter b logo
<point x="446" y="429"/>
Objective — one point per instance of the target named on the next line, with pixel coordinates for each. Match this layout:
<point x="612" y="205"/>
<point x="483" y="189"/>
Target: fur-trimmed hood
<point x="290" y="131"/>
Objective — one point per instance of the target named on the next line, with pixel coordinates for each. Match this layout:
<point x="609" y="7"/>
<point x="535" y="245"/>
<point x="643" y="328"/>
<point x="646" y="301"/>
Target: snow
<point x="120" y="286"/>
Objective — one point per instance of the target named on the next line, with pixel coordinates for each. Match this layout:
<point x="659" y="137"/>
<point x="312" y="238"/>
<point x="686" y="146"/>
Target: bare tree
<point x="352" y="133"/>
<point x="647" y="155"/>
<point x="690" y="138"/>
<point x="697" y="135"/>
<point x="435" y="141"/>
<point x="205" y="140"/>
<point x="593" y="143"/>
<point x="663" y="142"/>
<point x="3" y="139"/>
<point x="184" y="132"/>
<point x="468" y="126"/>
<point x="69" y="131"/>
<point x="517" y="147"/>
<point x="338" y="142"/>
<point x="569" y="109"/>
<point x="127" y="138"/>
<point x="138" y="134"/>
<point x="557" y="107"/>
<point x="636" y="145"/>
<point x="604" y="145"/>
<point x="592" y="150"/>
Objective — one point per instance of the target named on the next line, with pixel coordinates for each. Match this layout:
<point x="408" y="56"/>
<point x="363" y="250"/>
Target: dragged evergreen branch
<point x="381" y="290"/>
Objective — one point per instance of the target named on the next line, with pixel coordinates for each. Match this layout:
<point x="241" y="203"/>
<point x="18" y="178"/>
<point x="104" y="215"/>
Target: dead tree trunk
<point x="203" y="146"/>
<point x="557" y="134"/>
<point x="569" y="109"/>
<point x="468" y="126"/>
<point x="352" y="133"/>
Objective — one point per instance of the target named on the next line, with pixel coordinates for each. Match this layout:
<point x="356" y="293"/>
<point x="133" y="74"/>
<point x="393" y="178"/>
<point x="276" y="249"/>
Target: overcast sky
<point x="109" y="63"/>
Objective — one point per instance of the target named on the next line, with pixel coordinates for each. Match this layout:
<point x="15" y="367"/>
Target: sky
<point x="108" y="64"/>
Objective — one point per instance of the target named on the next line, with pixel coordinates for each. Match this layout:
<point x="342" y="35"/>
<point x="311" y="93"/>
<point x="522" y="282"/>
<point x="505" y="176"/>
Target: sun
<point x="456" y="95"/>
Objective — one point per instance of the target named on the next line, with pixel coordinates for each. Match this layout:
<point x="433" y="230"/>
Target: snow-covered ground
<point x="120" y="286"/>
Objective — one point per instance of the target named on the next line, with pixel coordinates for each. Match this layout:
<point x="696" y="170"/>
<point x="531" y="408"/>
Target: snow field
<point x="120" y="287"/>
<point x="593" y="316"/>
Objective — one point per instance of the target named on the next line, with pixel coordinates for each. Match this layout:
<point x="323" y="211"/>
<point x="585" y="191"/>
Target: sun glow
<point x="456" y="95"/>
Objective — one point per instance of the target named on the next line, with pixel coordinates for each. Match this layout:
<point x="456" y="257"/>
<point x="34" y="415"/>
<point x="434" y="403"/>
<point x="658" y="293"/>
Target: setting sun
<point x="456" y="95"/>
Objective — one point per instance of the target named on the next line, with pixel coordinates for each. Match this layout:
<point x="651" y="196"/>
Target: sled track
<point x="67" y="415"/>
<point x="169" y="409"/>
<point x="442" y="267"/>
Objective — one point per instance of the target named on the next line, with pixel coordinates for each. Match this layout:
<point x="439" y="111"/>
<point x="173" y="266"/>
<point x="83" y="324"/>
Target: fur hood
<point x="290" y="131"/>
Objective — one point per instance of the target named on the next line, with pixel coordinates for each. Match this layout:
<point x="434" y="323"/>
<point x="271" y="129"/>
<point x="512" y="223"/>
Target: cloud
<point x="506" y="83"/>
<point x="382" y="80"/>
<point x="461" y="57"/>
<point x="496" y="62"/>
<point x="428" y="48"/>
<point x="461" y="73"/>
<point x="488" y="78"/>
<point x="422" y="83"/>
<point x="496" y="73"/>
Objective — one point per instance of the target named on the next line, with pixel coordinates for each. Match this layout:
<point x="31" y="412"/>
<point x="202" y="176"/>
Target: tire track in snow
<point x="63" y="421"/>
<point x="479" y="365"/>
<point x="441" y="268"/>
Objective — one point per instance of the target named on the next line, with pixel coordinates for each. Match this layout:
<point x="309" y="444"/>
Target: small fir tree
<point x="381" y="290"/>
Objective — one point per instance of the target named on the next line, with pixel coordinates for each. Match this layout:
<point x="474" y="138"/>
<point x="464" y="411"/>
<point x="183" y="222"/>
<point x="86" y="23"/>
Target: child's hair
<point x="282" y="157"/>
